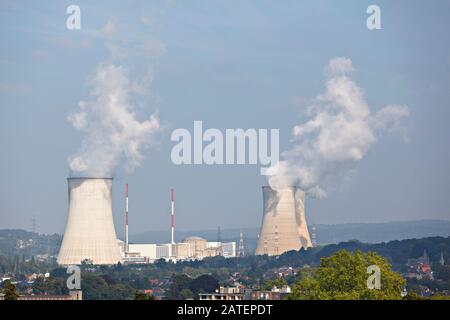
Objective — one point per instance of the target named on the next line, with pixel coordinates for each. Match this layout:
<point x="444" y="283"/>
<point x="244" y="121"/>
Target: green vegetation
<point x="18" y="265"/>
<point x="271" y="283"/>
<point x="343" y="276"/>
<point x="28" y="244"/>
<point x="138" y="295"/>
<point x="183" y="287"/>
<point x="10" y="291"/>
<point x="187" y="279"/>
<point x="50" y="286"/>
<point x="104" y="287"/>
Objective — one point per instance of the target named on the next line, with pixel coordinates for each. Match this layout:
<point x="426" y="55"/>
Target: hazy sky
<point x="231" y="64"/>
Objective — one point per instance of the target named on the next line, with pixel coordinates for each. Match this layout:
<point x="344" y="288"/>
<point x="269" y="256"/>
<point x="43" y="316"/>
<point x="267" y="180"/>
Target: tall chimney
<point x="127" y="247"/>
<point x="283" y="225"/>
<point x="173" y="217"/>
<point x="89" y="233"/>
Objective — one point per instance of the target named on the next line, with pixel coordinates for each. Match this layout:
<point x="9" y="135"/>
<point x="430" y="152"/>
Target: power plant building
<point x="163" y="251"/>
<point x="192" y="248"/>
<point x="145" y="250"/>
<point x="89" y="234"/>
<point x="284" y="226"/>
<point x="229" y="249"/>
<point x="182" y="251"/>
<point x="197" y="246"/>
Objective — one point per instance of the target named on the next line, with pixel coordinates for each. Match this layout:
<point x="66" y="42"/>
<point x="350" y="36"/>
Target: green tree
<point x="442" y="272"/>
<point x="204" y="283"/>
<point x="179" y="282"/>
<point x="95" y="287"/>
<point x="412" y="295"/>
<point x="39" y="285"/>
<point x="271" y="283"/>
<point x="440" y="297"/>
<point x="51" y="286"/>
<point x="186" y="294"/>
<point x="343" y="276"/>
<point x="138" y="295"/>
<point x="16" y="265"/>
<point x="10" y="291"/>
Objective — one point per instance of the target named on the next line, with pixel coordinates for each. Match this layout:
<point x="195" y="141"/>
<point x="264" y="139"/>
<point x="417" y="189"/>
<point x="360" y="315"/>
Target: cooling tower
<point x="90" y="230"/>
<point x="284" y="225"/>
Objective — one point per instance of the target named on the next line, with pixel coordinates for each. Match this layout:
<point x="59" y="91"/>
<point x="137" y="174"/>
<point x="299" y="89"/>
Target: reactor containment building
<point x="90" y="234"/>
<point x="284" y="226"/>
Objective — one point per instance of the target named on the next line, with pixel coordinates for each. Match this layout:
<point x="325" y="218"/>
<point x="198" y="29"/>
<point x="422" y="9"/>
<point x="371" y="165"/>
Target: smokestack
<point x="173" y="217"/>
<point x="284" y="225"/>
<point x="89" y="233"/>
<point x="126" y="220"/>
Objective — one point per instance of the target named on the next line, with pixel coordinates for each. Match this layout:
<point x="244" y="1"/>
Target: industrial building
<point x="240" y="293"/>
<point x="191" y="248"/>
<point x="283" y="226"/>
<point x="90" y="234"/>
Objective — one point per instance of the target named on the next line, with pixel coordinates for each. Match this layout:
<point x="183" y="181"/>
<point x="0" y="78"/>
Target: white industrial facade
<point x="163" y="251"/>
<point x="213" y="244"/>
<point x="193" y="248"/>
<point x="229" y="249"/>
<point x="145" y="250"/>
<point x="89" y="233"/>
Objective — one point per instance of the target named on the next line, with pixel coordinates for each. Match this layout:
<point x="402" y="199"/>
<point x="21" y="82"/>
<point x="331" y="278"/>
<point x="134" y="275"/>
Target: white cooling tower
<point x="284" y="225"/>
<point x="89" y="233"/>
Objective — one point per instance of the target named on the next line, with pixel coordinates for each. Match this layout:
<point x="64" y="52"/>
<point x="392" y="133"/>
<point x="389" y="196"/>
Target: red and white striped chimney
<point x="173" y="217"/>
<point x="126" y="219"/>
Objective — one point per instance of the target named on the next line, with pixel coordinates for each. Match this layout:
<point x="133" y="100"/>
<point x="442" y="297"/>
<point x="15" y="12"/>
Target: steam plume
<point x="113" y="134"/>
<point x="340" y="133"/>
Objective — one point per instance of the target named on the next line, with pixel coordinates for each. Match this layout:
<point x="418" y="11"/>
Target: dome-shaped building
<point x="197" y="246"/>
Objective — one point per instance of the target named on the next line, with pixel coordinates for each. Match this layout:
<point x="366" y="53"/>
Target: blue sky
<point x="246" y="64"/>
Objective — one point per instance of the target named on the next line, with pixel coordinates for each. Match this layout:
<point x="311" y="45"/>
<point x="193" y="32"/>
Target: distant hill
<point x="326" y="233"/>
<point x="397" y="252"/>
<point x="382" y="232"/>
<point x="24" y="243"/>
<point x="16" y="242"/>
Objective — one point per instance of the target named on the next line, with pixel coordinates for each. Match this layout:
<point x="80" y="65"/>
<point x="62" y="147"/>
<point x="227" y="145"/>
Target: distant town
<point x="28" y="264"/>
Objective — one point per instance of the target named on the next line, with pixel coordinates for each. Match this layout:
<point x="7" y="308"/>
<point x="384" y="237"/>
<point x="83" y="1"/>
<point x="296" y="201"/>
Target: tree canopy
<point x="10" y="291"/>
<point x="343" y="276"/>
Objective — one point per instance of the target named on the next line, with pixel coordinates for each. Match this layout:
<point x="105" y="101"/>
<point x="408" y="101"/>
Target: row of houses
<point x="242" y="293"/>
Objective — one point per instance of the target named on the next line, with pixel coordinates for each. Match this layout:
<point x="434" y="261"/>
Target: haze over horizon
<point x="246" y="65"/>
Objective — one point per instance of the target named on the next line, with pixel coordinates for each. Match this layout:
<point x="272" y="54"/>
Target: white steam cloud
<point x="339" y="134"/>
<point x="113" y="134"/>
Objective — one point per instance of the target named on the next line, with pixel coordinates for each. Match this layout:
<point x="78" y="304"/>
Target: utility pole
<point x="241" y="249"/>
<point x="219" y="234"/>
<point x="33" y="224"/>
<point x="48" y="250"/>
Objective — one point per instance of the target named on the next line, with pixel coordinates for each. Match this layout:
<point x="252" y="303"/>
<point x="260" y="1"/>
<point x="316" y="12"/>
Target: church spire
<point x="425" y="257"/>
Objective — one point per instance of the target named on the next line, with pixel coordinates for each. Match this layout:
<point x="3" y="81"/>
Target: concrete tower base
<point x="89" y="233"/>
<point x="284" y="225"/>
